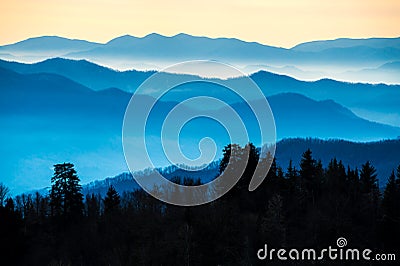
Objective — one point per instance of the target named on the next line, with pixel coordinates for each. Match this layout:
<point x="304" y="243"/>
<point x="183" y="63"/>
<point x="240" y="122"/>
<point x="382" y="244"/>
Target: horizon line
<point x="198" y="36"/>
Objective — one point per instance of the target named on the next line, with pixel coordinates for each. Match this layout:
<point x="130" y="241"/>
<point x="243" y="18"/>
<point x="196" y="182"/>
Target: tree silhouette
<point x="306" y="207"/>
<point x="336" y="177"/>
<point x="390" y="204"/>
<point x="3" y="193"/>
<point x="11" y="238"/>
<point x="66" y="198"/>
<point x="9" y="204"/>
<point x="310" y="176"/>
<point x="291" y="172"/>
<point x="253" y="157"/>
<point x="368" y="178"/>
<point x="112" y="201"/>
<point x="391" y="212"/>
<point x="398" y="177"/>
<point x="92" y="208"/>
<point x="228" y="151"/>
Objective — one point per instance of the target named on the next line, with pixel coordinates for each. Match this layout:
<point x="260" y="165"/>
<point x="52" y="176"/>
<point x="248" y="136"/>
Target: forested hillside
<point x="305" y="206"/>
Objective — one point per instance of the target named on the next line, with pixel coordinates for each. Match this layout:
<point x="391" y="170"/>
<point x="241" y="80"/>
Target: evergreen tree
<point x="391" y="212"/>
<point x="352" y="177"/>
<point x="390" y="204"/>
<point x="66" y="198"/>
<point x="291" y="173"/>
<point x="230" y="167"/>
<point x="310" y="176"/>
<point x="111" y="201"/>
<point x="292" y="177"/>
<point x="253" y="156"/>
<point x="368" y="178"/>
<point x="307" y="165"/>
<point x="231" y="155"/>
<point x="398" y="177"/>
<point x="226" y="155"/>
<point x="370" y="196"/>
<point x="93" y="206"/>
<point x="336" y="177"/>
<point x="275" y="179"/>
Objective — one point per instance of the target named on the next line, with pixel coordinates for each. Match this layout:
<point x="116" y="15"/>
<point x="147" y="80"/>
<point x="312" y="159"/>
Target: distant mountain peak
<point x="182" y="34"/>
<point x="320" y="45"/>
<point x="154" y="35"/>
<point x="122" y="39"/>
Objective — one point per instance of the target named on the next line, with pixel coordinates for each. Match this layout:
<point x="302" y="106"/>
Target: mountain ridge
<point x="156" y="51"/>
<point x="345" y="42"/>
<point x="182" y="34"/>
<point x="287" y="150"/>
<point x="48" y="118"/>
<point x="381" y="99"/>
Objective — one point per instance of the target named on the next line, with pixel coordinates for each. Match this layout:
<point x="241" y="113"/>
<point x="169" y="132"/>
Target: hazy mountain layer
<point x="48" y="119"/>
<point x="378" y="103"/>
<point x="329" y="58"/>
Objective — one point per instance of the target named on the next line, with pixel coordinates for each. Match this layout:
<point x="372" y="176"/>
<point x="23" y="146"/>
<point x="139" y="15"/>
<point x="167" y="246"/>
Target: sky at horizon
<point x="279" y="23"/>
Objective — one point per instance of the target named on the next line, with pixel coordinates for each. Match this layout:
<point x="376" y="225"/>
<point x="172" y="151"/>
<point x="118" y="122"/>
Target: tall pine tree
<point x="368" y="178"/>
<point x="66" y="198"/>
<point x="111" y="201"/>
<point x="391" y="212"/>
<point x="310" y="176"/>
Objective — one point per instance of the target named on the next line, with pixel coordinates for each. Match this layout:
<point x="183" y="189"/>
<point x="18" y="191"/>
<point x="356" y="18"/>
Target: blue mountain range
<point x="61" y="109"/>
<point x="378" y="103"/>
<point x="155" y="51"/>
<point x="50" y="118"/>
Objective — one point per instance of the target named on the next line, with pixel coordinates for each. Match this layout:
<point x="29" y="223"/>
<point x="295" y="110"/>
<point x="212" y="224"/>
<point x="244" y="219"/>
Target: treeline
<point x="385" y="154"/>
<point x="294" y="208"/>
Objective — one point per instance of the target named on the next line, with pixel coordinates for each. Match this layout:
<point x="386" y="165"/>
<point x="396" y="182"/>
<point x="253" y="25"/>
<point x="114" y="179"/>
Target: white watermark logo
<point x="189" y="103"/>
<point x="340" y="252"/>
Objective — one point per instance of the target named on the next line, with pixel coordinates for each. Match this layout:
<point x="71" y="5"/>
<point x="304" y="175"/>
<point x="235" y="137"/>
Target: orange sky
<point x="280" y="23"/>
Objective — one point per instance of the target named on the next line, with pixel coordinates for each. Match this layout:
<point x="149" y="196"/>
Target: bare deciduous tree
<point x="3" y="193"/>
